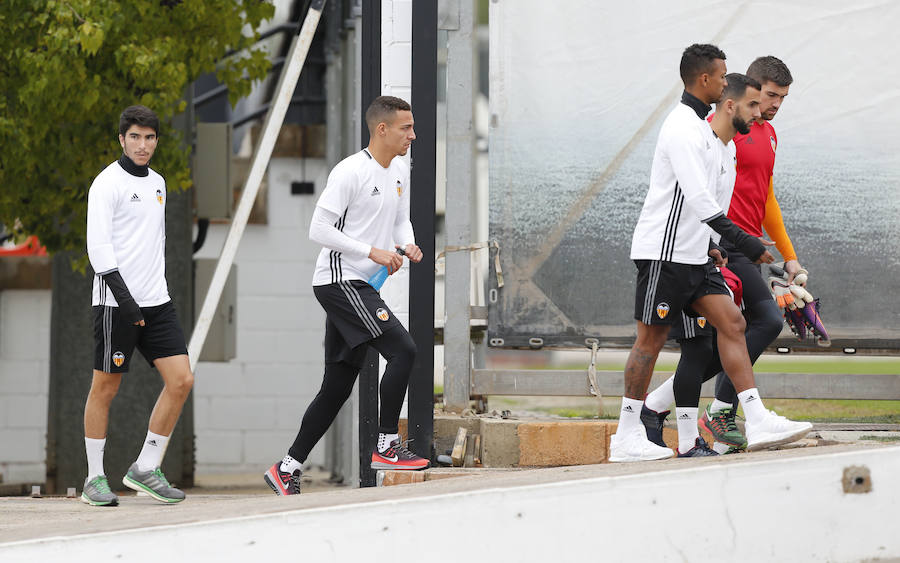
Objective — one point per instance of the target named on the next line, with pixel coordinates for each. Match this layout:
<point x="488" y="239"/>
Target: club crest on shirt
<point x="159" y="196"/>
<point x="773" y="142"/>
<point x="118" y="359"/>
<point x="701" y="322"/>
<point x="662" y="309"/>
<point x="399" y="188"/>
<point x="382" y="314"/>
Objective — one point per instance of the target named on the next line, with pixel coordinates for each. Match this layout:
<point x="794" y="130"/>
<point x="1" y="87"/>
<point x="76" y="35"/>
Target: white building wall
<point x="247" y="411"/>
<point x="24" y="384"/>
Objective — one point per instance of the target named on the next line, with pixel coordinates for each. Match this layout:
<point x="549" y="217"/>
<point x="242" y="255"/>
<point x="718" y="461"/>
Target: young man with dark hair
<point x="754" y="208"/>
<point x="126" y="241"/>
<point x="671" y="246"/>
<point x="360" y="219"/>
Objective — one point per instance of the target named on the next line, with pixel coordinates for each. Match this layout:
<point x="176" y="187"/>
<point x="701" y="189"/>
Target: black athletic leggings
<point x="398" y="348"/>
<point x="696" y="356"/>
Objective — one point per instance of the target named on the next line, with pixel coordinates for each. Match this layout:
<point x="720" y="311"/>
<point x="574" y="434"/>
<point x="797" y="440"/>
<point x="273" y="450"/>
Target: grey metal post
<point x="461" y="85"/>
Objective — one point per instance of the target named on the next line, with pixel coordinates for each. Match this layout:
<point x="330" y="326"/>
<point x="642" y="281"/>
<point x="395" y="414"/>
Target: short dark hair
<point x="138" y="115"/>
<point x="770" y="69"/>
<point x="382" y="109"/>
<point x="737" y="86"/>
<point x="698" y="59"/>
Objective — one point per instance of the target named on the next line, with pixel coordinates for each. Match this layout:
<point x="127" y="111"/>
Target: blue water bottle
<point x="377" y="279"/>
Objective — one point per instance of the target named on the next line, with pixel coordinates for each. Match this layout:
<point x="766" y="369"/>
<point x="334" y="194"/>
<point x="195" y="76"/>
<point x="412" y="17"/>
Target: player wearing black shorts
<point x="360" y="218"/>
<point x="126" y="239"/>
<point x="671" y="247"/>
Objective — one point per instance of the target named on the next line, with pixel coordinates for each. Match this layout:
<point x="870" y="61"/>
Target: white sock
<point x="630" y="415"/>
<point x="718" y="405"/>
<point x="754" y="410"/>
<point x="686" y="417"/>
<point x="152" y="452"/>
<point x="289" y="465"/>
<point x="384" y="441"/>
<point x="661" y="398"/>
<point x="94" y="449"/>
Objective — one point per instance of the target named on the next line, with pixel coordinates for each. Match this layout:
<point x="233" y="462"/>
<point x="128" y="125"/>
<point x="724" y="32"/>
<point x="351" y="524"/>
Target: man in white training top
<point x="360" y="219"/>
<point x="126" y="241"/>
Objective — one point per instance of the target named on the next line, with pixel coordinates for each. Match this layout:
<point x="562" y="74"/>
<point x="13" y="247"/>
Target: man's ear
<point x="122" y="140"/>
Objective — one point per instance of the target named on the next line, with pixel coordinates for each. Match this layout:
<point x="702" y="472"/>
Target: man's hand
<point x="387" y="258"/>
<point x="140" y="323"/>
<point x="792" y="267"/>
<point x="716" y="255"/>
<point x="413" y="252"/>
<point x="765" y="258"/>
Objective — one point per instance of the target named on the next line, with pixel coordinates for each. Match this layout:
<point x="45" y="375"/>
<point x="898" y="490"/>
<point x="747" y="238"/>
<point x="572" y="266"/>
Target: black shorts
<point x="754" y="286"/>
<point x="355" y="314"/>
<point x="116" y="339"/>
<point x="665" y="289"/>
<point x="690" y="327"/>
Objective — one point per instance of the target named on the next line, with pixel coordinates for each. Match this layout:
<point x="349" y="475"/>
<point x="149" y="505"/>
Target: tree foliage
<point x="68" y="68"/>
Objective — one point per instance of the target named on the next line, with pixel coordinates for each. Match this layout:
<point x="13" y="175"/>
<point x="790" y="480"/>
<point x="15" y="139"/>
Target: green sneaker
<point x="153" y="483"/>
<point x="723" y="428"/>
<point x="97" y="493"/>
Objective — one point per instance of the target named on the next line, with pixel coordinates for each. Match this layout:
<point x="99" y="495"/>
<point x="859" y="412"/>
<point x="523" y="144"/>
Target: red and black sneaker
<point x="397" y="457"/>
<point x="282" y="482"/>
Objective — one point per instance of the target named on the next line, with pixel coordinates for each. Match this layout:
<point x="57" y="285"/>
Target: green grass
<point x="856" y="365"/>
<point x="842" y="410"/>
<point x="881" y="438"/>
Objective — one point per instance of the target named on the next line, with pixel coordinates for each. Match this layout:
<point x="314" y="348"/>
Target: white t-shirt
<point x="725" y="178"/>
<point x="126" y="230"/>
<point x="684" y="182"/>
<point x="372" y="206"/>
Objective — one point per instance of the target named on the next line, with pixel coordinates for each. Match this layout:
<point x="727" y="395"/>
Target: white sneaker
<point x="634" y="446"/>
<point x="774" y="430"/>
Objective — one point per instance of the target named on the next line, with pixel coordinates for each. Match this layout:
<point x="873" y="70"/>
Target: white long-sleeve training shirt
<point x="363" y="205"/>
<point x="685" y="179"/>
<point x="126" y="231"/>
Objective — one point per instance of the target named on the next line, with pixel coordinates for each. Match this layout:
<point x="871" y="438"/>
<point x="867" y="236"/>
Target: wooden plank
<point x="458" y="454"/>
<point x="771" y="385"/>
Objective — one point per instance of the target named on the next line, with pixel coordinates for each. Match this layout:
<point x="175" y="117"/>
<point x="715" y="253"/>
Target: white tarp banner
<point x="579" y="90"/>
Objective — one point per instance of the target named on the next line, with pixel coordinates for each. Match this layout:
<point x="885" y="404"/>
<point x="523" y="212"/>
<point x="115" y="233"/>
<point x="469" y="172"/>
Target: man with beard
<point x="753" y="208"/>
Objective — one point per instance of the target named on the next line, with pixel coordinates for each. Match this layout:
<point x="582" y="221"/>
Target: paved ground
<point x="24" y="518"/>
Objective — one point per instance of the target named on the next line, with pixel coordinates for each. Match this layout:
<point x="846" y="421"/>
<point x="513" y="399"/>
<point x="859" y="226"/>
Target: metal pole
<point x="287" y="82"/>
<point x="368" y="376"/>
<point x="422" y="181"/>
<point x="461" y="84"/>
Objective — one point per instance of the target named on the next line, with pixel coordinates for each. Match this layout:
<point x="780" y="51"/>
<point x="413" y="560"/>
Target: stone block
<point x="551" y="444"/>
<point x="445" y="428"/>
<point x="391" y="478"/>
<point x="218" y="447"/>
<point x="499" y="443"/>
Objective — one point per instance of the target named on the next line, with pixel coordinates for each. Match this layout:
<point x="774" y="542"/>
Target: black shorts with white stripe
<point x="666" y="289"/>
<point x="115" y="338"/>
<point x="690" y="327"/>
<point x="355" y="314"/>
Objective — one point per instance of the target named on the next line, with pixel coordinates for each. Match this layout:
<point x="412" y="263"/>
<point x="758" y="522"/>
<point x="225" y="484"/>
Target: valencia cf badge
<point x="701" y="322"/>
<point x="774" y="143"/>
<point x="382" y="314"/>
<point x="399" y="188"/>
<point x="118" y="359"/>
<point x="159" y="196"/>
<point x="662" y="310"/>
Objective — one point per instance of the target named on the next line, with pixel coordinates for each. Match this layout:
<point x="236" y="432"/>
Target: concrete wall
<point x="24" y="384"/>
<point x="248" y="410"/>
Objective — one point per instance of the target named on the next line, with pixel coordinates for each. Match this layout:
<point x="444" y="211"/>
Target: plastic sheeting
<point x="579" y="90"/>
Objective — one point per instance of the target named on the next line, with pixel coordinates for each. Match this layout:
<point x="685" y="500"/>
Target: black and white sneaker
<point x="700" y="449"/>
<point x="653" y="421"/>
